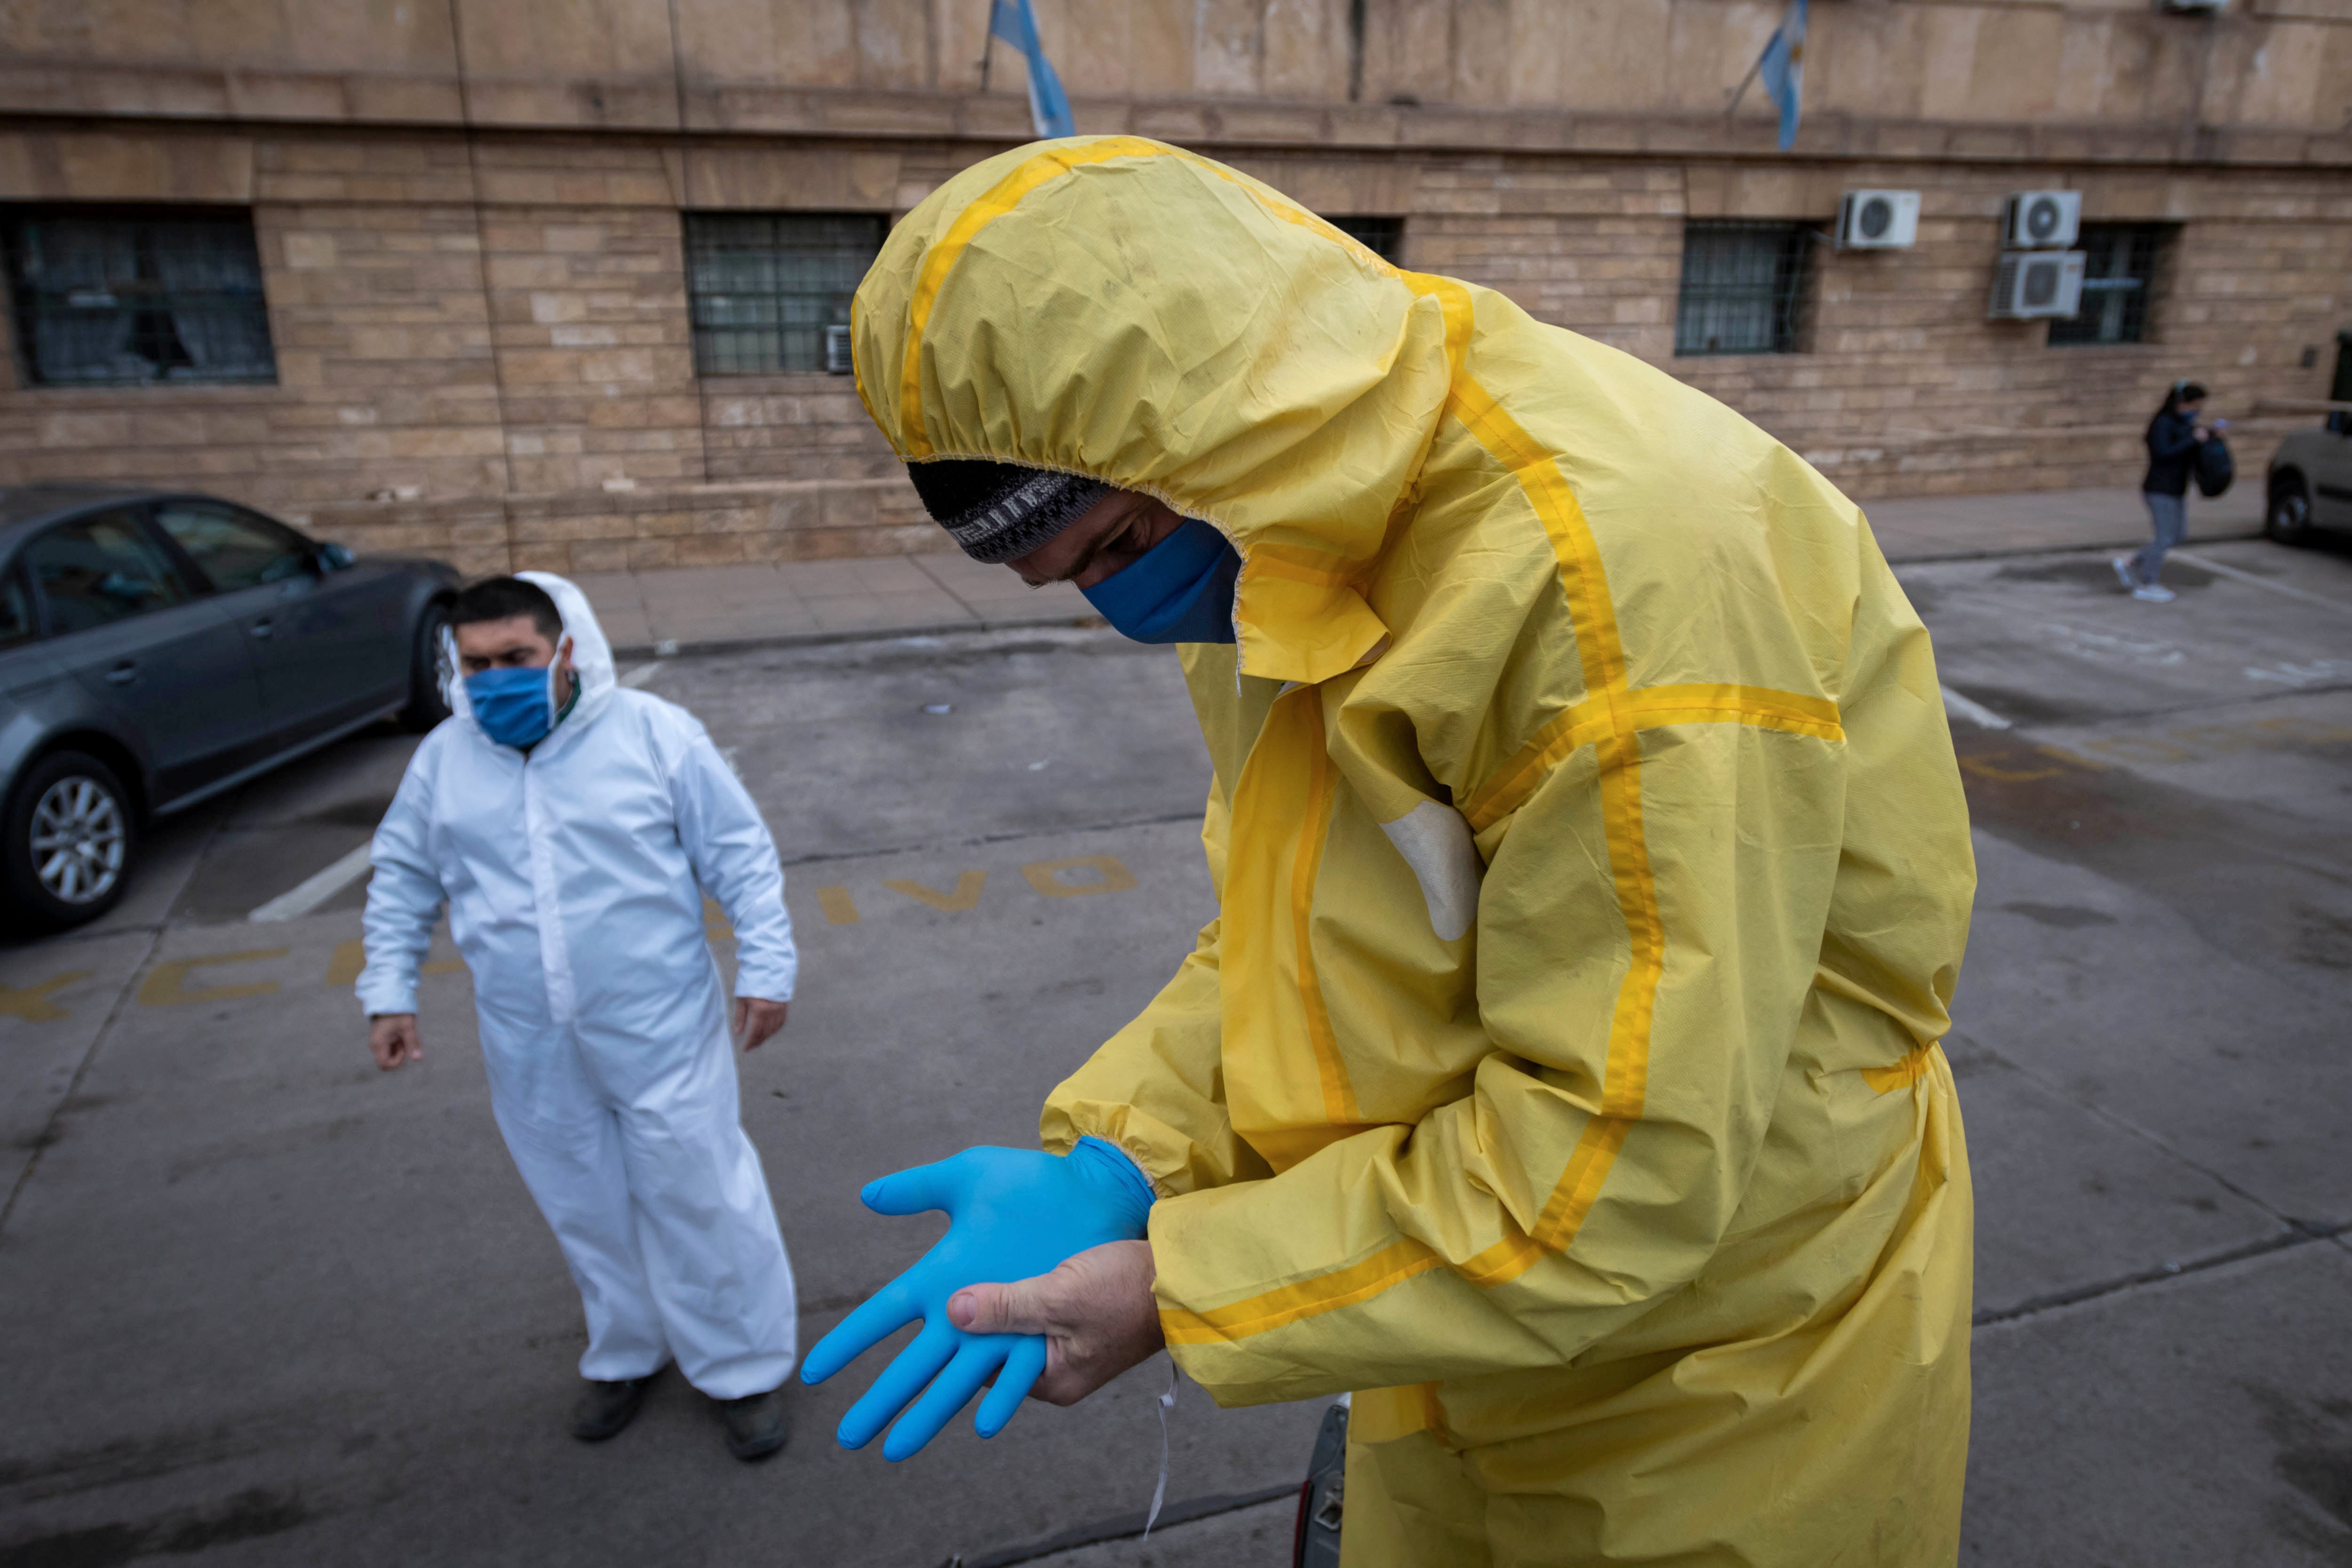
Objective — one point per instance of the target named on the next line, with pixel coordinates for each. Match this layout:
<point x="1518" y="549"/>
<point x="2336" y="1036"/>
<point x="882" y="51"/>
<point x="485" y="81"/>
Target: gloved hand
<point x="1011" y="1214"/>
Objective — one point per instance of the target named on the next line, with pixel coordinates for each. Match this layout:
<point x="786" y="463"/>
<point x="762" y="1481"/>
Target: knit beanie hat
<point x="1000" y="512"/>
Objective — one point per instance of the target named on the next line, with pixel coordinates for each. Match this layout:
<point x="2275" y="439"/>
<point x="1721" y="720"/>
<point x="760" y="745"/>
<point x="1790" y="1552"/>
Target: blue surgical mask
<point x="1179" y="590"/>
<point x="513" y="706"/>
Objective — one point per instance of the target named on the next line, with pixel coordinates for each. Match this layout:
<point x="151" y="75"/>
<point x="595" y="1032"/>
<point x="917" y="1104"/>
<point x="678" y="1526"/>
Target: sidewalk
<point x="1949" y="528"/>
<point x="704" y="609"/>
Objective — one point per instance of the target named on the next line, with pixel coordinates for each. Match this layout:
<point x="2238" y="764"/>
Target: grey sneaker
<point x="757" y="1425"/>
<point x="2152" y="594"/>
<point x="604" y="1408"/>
<point x="2125" y="572"/>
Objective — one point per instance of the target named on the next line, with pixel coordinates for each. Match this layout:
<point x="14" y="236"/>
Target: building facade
<point x="548" y="282"/>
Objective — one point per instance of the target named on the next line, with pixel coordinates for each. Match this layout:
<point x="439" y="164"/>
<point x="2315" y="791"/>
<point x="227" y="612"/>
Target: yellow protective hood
<point x="1119" y="307"/>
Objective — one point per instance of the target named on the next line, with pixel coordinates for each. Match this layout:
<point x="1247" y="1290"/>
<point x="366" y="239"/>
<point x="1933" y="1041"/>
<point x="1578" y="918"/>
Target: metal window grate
<point x="1383" y="237"/>
<point x="1743" y="287"/>
<point x="764" y="286"/>
<point x="128" y="299"/>
<point x="2119" y="263"/>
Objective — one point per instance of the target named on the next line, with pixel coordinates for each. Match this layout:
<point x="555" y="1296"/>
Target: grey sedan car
<point x="2310" y="482"/>
<point x="157" y="647"/>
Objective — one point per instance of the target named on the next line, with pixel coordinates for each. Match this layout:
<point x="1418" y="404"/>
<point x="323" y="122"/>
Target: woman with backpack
<point x="2177" y="439"/>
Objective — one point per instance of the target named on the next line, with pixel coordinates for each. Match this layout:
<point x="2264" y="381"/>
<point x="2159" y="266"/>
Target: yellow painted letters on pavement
<point x="966" y="894"/>
<point x="32" y="1002"/>
<point x="167" y="984"/>
<point x="1046" y="876"/>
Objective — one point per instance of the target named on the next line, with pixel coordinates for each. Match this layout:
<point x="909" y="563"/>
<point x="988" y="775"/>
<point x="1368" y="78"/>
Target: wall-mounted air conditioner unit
<point x="2042" y="220"/>
<point x="1877" y="220"/>
<point x="837" y="360"/>
<point x="2034" y="283"/>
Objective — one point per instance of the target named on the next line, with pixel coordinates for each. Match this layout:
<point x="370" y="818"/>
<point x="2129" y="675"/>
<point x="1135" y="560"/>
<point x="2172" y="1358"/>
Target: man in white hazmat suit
<point x="572" y="827"/>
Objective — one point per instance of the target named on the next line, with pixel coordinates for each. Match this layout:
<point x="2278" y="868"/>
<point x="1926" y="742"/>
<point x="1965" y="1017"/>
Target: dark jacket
<point x="2172" y="447"/>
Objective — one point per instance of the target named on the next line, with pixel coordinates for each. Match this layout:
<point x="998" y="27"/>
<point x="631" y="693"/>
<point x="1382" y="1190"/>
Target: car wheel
<point x="426" y="706"/>
<point x="2288" y="520"/>
<point x="71" y="837"/>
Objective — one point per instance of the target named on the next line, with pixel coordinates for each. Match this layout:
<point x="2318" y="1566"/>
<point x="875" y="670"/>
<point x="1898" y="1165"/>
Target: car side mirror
<point x="335" y="557"/>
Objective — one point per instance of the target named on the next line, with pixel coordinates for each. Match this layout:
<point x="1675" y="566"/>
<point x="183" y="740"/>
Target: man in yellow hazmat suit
<point x="1560" y="1073"/>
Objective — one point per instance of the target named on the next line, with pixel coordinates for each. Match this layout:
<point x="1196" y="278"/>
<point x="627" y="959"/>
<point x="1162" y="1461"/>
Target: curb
<point x="2251" y="532"/>
<point x="680" y="649"/>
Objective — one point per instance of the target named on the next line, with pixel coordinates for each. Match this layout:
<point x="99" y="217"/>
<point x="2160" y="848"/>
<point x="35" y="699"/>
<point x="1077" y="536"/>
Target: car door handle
<point x="260" y="627"/>
<point x="122" y="674"/>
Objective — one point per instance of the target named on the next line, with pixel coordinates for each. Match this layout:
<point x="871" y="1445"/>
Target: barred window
<point x="110" y="299"/>
<point x="2119" y="263"/>
<point x="768" y="290"/>
<point x="1383" y="237"/>
<point x="1743" y="287"/>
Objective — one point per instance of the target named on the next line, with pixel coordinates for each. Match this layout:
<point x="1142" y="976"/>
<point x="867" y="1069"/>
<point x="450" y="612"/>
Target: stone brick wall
<point x="1651" y="75"/>
<point x="791" y="426"/>
<point x="385" y="378"/>
<point x="581" y="253"/>
<point x="468" y="219"/>
<point x="1903" y="385"/>
<point x="490" y="331"/>
<point x="384" y="366"/>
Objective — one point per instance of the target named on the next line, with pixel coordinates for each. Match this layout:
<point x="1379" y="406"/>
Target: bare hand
<point x="1096" y="1312"/>
<point x="756" y="1019"/>
<point x="393" y="1040"/>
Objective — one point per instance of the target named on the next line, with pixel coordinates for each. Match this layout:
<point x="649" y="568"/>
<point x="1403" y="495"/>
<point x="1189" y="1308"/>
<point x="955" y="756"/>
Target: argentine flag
<point x="1782" y="67"/>
<point x="1049" y="107"/>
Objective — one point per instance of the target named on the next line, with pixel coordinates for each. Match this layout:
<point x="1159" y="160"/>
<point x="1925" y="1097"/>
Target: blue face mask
<point x="1179" y="590"/>
<point x="512" y="706"/>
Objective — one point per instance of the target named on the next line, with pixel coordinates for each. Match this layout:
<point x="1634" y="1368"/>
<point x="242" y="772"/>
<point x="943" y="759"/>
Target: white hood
<point x="592" y="655"/>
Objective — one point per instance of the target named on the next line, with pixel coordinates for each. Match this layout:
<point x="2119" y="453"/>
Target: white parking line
<point x="2253" y="580"/>
<point x="1976" y="713"/>
<point x="312" y="891"/>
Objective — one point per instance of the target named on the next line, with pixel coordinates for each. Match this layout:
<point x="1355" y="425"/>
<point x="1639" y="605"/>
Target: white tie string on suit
<point x="1166" y="1401"/>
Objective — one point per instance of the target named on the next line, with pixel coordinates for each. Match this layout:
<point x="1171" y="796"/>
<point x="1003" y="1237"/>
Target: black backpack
<point x="2215" y="467"/>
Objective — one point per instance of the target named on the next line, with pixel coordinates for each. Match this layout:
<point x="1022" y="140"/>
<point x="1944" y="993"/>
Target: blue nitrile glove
<point x="1011" y="1214"/>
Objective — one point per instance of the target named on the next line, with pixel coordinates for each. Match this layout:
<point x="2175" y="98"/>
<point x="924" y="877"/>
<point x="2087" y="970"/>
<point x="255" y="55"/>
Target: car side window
<point x="98" y="570"/>
<point x="235" y="548"/>
<point x="16" y="624"/>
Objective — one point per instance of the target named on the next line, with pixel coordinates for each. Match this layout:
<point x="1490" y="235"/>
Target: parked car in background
<point x="159" y="647"/>
<point x="2310" y="482"/>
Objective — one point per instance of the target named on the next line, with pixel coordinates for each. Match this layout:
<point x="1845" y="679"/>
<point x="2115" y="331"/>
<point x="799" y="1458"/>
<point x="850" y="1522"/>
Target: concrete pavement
<point x="298" y="1310"/>
<point x="268" y="1306"/>
<point x="2149" y="1043"/>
